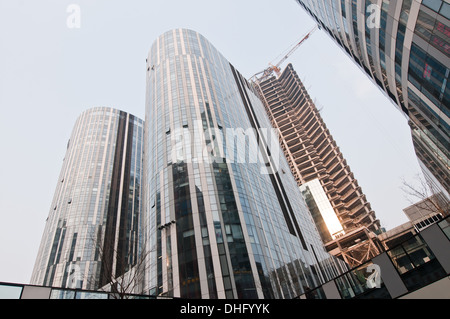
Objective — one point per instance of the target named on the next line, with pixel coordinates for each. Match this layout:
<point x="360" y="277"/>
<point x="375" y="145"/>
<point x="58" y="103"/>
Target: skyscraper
<point x="337" y="202"/>
<point x="91" y="233"/>
<point x="225" y="216"/>
<point x="403" y="47"/>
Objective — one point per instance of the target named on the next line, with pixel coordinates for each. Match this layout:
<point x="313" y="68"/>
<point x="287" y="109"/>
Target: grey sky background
<point x="50" y="73"/>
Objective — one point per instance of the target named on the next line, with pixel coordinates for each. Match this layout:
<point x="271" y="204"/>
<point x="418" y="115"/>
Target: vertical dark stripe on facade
<point x="324" y="276"/>
<point x="126" y="213"/>
<point x="158" y="242"/>
<point x="187" y="252"/>
<point x="49" y="279"/>
<point x="61" y="243"/>
<point x="206" y="246"/>
<point x="108" y="250"/>
<point x="72" y="246"/>
<point x="283" y="199"/>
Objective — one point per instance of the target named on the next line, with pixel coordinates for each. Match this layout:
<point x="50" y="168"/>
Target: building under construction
<point x="343" y="216"/>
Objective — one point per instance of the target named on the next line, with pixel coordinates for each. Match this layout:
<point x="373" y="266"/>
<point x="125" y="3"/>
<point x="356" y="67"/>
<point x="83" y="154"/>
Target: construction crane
<point x="276" y="68"/>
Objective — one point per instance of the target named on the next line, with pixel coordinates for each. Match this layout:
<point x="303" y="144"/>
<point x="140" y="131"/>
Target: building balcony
<point x="349" y="192"/>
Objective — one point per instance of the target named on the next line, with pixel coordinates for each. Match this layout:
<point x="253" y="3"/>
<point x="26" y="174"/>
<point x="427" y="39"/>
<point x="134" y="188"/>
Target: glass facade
<point x="225" y="217"/>
<point x="315" y="196"/>
<point x="91" y="233"/>
<point x="403" y="46"/>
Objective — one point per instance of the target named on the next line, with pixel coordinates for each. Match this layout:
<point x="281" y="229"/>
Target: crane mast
<point x="276" y="68"/>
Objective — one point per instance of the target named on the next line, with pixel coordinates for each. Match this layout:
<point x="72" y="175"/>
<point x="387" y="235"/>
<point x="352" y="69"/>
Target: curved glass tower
<point x="224" y="215"/>
<point x="403" y="46"/>
<point x="91" y="234"/>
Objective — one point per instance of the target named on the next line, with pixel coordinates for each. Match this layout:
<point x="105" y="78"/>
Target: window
<point x="445" y="10"/>
<point x="416" y="263"/>
<point x="427" y="74"/>
<point x="91" y="295"/>
<point x="362" y="282"/>
<point x="410" y="254"/>
<point x="433" y="4"/>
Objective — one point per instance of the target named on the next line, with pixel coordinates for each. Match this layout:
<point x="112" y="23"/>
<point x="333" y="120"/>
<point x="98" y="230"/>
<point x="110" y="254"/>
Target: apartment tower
<point x="223" y="221"/>
<point x="91" y="233"/>
<point x="340" y="209"/>
<point x="403" y="46"/>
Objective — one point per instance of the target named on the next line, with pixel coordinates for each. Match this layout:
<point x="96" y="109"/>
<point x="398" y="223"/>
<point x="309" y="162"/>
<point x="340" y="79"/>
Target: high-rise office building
<point x="91" y="233"/>
<point x="225" y="216"/>
<point x="337" y="202"/>
<point x="403" y="46"/>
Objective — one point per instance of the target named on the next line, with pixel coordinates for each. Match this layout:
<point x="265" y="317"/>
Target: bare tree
<point x="426" y="196"/>
<point x="122" y="270"/>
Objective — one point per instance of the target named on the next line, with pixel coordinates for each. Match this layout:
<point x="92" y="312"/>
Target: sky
<point x="50" y="73"/>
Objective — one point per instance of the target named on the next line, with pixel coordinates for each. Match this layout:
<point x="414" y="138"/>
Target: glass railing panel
<point x="410" y="254"/>
<point x="317" y="293"/>
<point x="423" y="275"/>
<point x="132" y="297"/>
<point x="416" y="263"/>
<point x="376" y="293"/>
<point x="400" y="259"/>
<point x="344" y="287"/>
<point x="418" y="251"/>
<point x="90" y="295"/>
<point x="359" y="281"/>
<point x="10" y="291"/>
<point x="62" y="294"/>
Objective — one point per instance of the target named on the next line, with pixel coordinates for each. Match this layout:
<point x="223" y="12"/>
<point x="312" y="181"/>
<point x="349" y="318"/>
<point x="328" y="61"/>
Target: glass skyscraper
<point x="403" y="46"/>
<point x="224" y="215"/>
<point x="91" y="233"/>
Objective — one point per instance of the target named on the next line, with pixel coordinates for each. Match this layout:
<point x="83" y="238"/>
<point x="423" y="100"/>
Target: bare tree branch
<point x="425" y="196"/>
<point x="125" y="274"/>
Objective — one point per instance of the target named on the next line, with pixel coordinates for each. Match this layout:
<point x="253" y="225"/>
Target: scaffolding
<point x="355" y="247"/>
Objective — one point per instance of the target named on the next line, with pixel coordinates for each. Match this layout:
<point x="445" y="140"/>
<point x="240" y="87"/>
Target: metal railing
<point x="23" y="291"/>
<point x="414" y="261"/>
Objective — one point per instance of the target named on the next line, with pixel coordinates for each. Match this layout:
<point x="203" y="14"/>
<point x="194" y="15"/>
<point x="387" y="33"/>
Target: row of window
<point x="440" y="6"/>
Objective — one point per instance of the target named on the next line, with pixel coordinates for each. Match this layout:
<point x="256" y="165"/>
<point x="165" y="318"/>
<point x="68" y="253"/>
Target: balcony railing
<point x="413" y="262"/>
<point x="22" y="291"/>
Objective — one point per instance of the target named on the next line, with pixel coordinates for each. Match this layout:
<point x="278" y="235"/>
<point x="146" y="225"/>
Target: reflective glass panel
<point x="62" y="294"/>
<point x="91" y="295"/>
<point x="400" y="259"/>
<point x="10" y="292"/>
<point x="359" y="281"/>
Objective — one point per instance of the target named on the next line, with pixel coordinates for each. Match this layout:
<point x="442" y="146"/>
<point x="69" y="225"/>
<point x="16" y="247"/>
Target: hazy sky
<point x="50" y="73"/>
